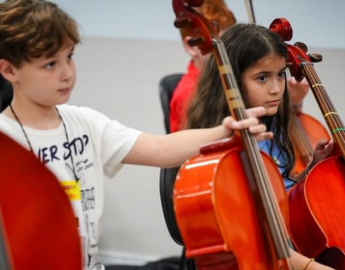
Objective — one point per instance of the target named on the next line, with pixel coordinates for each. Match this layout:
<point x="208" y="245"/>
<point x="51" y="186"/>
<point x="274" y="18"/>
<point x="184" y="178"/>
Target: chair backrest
<point x="166" y="186"/>
<point x="167" y="86"/>
<point x="167" y="177"/>
<point x="6" y="94"/>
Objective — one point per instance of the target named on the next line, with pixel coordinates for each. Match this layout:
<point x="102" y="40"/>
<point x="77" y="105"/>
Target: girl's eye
<point x="281" y="74"/>
<point x="70" y="56"/>
<point x="262" y="78"/>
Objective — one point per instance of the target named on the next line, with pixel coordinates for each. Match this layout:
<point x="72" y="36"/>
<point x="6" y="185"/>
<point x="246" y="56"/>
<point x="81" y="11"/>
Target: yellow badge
<point x="72" y="190"/>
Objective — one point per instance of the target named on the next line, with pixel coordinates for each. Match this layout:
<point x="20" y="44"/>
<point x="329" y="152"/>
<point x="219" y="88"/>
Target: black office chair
<point x="167" y="86"/>
<point x="167" y="180"/>
<point x="6" y="94"/>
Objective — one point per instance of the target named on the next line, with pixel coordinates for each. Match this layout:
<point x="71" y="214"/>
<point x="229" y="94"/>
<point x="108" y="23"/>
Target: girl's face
<point x="264" y="83"/>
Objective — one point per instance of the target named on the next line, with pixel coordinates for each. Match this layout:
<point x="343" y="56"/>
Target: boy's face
<point x="47" y="81"/>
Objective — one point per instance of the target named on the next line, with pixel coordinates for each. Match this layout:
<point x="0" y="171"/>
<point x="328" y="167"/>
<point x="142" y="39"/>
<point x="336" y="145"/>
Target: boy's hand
<point x="252" y="123"/>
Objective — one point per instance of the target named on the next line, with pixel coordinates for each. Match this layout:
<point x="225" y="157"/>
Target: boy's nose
<point x="68" y="71"/>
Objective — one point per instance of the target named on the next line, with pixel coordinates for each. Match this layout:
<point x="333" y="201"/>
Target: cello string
<point x="333" y="119"/>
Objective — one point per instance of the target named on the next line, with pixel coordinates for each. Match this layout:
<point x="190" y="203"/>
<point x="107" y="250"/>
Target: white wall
<point x="129" y="46"/>
<point x="318" y="23"/>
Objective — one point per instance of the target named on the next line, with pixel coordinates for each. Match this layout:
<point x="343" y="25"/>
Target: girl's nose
<point x="277" y="86"/>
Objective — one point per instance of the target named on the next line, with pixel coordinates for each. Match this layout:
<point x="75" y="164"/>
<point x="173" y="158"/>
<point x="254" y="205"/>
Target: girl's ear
<point x="7" y="71"/>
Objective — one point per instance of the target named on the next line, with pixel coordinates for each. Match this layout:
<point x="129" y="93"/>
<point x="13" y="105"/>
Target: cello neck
<point x="327" y="108"/>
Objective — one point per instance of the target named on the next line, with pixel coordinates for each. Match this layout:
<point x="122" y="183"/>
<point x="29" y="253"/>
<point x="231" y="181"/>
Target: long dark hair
<point x="245" y="44"/>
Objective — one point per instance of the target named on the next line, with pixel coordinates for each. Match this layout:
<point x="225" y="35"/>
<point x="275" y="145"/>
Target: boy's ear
<point x="7" y="70"/>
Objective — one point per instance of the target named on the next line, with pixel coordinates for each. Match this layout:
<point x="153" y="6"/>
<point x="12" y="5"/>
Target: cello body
<point x="317" y="213"/>
<point x="38" y="223"/>
<point x="216" y="214"/>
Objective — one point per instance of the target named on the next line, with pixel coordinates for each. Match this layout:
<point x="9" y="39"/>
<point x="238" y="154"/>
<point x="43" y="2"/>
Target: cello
<point x="305" y="130"/>
<point x="223" y="224"/>
<point x="318" y="227"/>
<point x="38" y="229"/>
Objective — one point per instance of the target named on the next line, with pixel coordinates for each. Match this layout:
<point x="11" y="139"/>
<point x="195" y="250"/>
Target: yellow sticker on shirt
<point x="72" y="190"/>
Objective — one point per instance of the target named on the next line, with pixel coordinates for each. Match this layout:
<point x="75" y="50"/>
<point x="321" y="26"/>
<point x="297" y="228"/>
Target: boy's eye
<point x="50" y="65"/>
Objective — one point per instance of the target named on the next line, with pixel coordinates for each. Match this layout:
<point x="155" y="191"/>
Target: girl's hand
<point x="252" y="123"/>
<point x="322" y="151"/>
<point x="299" y="261"/>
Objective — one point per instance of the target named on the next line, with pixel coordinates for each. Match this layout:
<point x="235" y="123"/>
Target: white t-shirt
<point x="97" y="145"/>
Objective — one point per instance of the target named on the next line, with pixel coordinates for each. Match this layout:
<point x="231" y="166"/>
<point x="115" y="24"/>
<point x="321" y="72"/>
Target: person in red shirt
<point x="213" y="10"/>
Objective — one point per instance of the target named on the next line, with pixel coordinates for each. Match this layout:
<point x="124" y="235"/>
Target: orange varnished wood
<point x="318" y="211"/>
<point x="216" y="215"/>
<point x="38" y="223"/>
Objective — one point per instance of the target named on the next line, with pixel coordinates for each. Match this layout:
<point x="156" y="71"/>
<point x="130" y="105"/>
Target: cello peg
<point x="182" y="22"/>
<point x="314" y="57"/>
<point x="196" y="41"/>
<point x="302" y="46"/>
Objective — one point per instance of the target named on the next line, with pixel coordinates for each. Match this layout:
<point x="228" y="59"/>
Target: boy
<point x="78" y="145"/>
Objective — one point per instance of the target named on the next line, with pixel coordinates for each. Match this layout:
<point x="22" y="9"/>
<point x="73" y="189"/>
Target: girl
<point x="258" y="58"/>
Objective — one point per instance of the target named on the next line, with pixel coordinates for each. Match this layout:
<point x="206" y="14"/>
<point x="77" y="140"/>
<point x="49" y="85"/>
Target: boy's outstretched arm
<point x="173" y="149"/>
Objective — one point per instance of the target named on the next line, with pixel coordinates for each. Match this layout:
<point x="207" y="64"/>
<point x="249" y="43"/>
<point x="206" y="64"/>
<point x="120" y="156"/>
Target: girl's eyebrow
<point x="268" y="72"/>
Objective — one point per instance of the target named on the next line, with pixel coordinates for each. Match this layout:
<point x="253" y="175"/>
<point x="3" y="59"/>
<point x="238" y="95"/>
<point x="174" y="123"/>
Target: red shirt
<point x="180" y="97"/>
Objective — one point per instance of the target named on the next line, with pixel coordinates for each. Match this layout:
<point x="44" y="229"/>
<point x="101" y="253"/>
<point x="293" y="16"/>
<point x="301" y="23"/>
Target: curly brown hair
<point x="215" y="11"/>
<point x="34" y="28"/>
